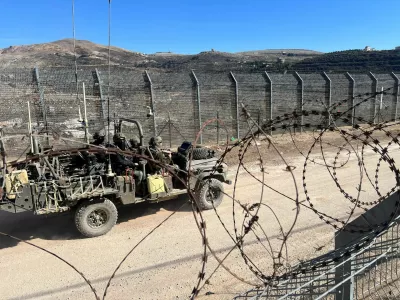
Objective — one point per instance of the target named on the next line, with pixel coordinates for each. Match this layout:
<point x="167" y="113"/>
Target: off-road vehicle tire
<point x="202" y="153"/>
<point x="95" y="218"/>
<point x="205" y="199"/>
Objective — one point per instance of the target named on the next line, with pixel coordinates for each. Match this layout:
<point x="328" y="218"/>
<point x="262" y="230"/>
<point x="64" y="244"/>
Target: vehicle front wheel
<point x="210" y="193"/>
<point x="96" y="218"/>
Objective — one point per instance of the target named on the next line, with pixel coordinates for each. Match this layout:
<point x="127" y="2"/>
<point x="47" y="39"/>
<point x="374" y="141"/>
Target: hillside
<point x="351" y="60"/>
<point x="61" y="53"/>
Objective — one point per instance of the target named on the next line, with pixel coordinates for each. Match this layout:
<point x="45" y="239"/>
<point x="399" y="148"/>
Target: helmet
<point x="156" y="141"/>
<point x="119" y="141"/>
<point x="134" y="142"/>
<point x="97" y="139"/>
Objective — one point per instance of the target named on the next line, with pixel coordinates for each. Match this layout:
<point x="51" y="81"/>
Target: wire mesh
<point x="373" y="273"/>
<point x="55" y="96"/>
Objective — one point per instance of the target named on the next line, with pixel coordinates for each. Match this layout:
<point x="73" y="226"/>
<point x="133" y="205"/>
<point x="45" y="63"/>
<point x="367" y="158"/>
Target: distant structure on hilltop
<point x="368" y="48"/>
<point x="397" y="48"/>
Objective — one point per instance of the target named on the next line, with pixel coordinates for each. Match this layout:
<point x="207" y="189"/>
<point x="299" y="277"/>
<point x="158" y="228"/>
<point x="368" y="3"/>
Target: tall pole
<point x="375" y="91"/>
<point x="109" y="71"/>
<point x="328" y="96"/>
<point x="380" y="104"/>
<point x="236" y="104"/>
<point x="271" y="102"/>
<point x="217" y="127"/>
<point x="396" y="94"/>
<point x="85" y="114"/>
<point x="352" y="100"/>
<point x="30" y="127"/>
<point x="153" y="104"/>
<point x="301" y="100"/>
<point x="198" y="104"/>
<point x="169" y="130"/>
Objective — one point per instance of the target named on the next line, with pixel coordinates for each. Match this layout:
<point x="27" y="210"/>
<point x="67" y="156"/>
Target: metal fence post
<point x="351" y="94"/>
<point x="270" y="98"/>
<point x="169" y="130"/>
<point x="153" y="102"/>
<point x="328" y="95"/>
<point x="218" y="128"/>
<point x="237" y="104"/>
<point x="42" y="103"/>
<point x="198" y="104"/>
<point x="102" y="100"/>
<point x="374" y="88"/>
<point x="301" y="100"/>
<point x="396" y="94"/>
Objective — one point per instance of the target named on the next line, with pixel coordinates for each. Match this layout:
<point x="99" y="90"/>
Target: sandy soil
<point x="167" y="264"/>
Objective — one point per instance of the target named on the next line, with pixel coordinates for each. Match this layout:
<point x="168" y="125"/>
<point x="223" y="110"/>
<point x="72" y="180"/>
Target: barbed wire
<point x="365" y="133"/>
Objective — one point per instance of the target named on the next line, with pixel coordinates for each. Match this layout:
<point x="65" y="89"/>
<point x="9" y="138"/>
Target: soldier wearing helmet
<point x="134" y="142"/>
<point x="156" y="152"/>
<point x="155" y="142"/>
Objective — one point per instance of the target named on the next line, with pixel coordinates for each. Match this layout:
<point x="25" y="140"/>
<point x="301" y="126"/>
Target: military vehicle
<point x="92" y="181"/>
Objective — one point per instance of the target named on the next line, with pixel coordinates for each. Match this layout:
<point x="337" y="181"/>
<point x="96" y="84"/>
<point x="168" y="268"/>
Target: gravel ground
<point x="166" y="265"/>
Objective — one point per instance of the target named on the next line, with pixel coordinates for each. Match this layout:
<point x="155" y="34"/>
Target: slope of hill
<point x="61" y="53"/>
<point x="351" y="60"/>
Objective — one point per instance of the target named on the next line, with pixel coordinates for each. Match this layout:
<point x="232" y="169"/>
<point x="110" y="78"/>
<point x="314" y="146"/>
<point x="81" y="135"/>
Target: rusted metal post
<point x="374" y="89"/>
<point x="328" y="96"/>
<point x="351" y="94"/>
<point x="396" y="94"/>
<point x="270" y="113"/>
<point x="237" y="104"/>
<point x="152" y="103"/>
<point x="198" y="103"/>
<point x="301" y="99"/>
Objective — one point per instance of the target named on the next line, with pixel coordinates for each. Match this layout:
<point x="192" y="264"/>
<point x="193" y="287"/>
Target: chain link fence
<point x="175" y="104"/>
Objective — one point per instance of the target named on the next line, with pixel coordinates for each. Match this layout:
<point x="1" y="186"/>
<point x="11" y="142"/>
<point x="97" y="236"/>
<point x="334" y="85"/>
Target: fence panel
<point x="17" y="87"/>
<point x="129" y="95"/>
<point x="254" y="94"/>
<point x="217" y="97"/>
<point x="285" y="95"/>
<point x="364" y="84"/>
<point x="176" y="106"/>
<point x="314" y="97"/>
<point x="341" y="89"/>
<point x="386" y="104"/>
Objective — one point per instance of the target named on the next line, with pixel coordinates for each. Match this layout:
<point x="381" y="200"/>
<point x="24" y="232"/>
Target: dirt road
<point x="167" y="264"/>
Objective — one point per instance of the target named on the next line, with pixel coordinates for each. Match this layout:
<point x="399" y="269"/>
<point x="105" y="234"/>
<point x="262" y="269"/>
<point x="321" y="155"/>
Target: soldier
<point x="134" y="143"/>
<point x="121" y="162"/>
<point x="156" y="152"/>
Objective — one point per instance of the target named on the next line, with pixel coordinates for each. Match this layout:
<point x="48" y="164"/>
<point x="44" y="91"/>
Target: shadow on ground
<point x="27" y="226"/>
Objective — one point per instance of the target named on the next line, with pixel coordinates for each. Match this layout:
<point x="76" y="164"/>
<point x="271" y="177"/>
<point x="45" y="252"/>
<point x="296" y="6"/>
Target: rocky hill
<point x="351" y="60"/>
<point x="61" y="53"/>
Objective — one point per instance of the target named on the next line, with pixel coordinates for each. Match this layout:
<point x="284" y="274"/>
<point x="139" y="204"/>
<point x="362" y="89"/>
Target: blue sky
<point x="193" y="26"/>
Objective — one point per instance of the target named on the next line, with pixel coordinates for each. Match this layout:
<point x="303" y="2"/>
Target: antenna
<point x="109" y="171"/>
<point x="109" y="71"/>
<point x="75" y="60"/>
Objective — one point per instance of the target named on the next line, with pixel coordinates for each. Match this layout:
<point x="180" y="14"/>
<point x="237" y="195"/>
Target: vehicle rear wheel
<point x="210" y="193"/>
<point x="95" y="218"/>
